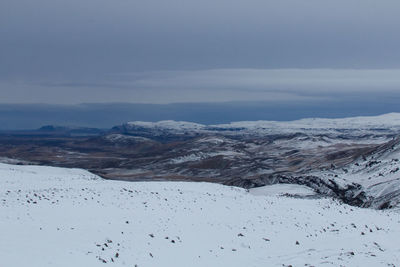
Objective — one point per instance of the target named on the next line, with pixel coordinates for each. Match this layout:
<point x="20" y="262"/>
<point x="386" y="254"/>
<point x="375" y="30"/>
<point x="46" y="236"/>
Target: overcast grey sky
<point x="159" y="51"/>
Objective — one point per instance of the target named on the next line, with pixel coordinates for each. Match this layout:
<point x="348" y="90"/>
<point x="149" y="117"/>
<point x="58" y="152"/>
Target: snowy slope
<point x="283" y="189"/>
<point x="63" y="217"/>
<point x="378" y="174"/>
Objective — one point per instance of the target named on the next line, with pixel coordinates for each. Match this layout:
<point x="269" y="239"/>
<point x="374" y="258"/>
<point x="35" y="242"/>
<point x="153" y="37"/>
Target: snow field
<point x="63" y="217"/>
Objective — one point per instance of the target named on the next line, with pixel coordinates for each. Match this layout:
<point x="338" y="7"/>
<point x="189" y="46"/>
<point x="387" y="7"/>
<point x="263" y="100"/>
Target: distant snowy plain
<point x="70" y="217"/>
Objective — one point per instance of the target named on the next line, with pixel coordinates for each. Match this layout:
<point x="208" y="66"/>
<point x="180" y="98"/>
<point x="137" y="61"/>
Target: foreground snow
<point x="63" y="217"/>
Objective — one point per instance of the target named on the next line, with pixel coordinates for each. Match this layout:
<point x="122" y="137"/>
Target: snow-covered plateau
<point x="357" y="125"/>
<point x="70" y="217"/>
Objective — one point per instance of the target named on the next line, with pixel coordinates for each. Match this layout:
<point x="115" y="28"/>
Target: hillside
<point x="70" y="217"/>
<point x="352" y="159"/>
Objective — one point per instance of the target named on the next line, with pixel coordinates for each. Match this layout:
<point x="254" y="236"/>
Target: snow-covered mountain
<point x="70" y="217"/>
<point x="386" y="123"/>
<point x="353" y="159"/>
<point x="331" y="155"/>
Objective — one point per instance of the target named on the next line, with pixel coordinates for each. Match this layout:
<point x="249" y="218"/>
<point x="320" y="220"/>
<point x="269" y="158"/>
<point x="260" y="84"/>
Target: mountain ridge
<point x="311" y="152"/>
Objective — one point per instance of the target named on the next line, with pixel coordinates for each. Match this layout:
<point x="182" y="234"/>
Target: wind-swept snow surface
<point x="283" y="189"/>
<point x="62" y="217"/>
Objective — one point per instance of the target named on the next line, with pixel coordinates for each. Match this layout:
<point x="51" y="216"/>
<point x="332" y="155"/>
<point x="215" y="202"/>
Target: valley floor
<point x="70" y="217"/>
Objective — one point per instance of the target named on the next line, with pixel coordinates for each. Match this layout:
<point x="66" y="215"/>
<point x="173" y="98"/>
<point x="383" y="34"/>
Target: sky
<point x="177" y="51"/>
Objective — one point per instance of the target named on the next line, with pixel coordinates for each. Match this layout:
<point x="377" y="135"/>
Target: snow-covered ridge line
<point x="390" y="120"/>
<point x="38" y="177"/>
<point x="386" y="120"/>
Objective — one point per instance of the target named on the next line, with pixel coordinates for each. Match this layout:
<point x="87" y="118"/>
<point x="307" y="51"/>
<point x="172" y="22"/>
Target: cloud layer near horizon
<point x="217" y="85"/>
